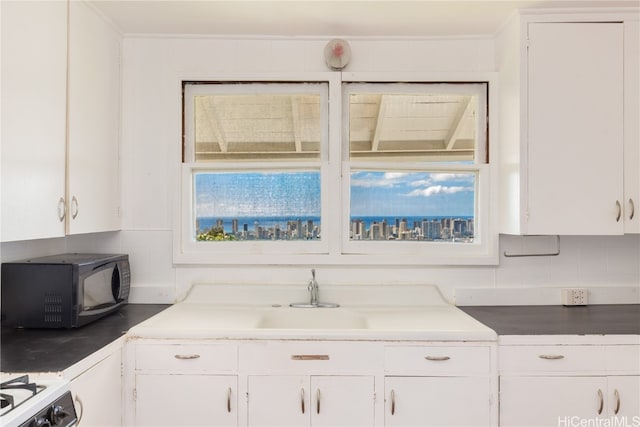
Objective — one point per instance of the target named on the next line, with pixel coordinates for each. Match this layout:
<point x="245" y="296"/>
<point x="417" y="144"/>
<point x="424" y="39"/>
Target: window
<point x="416" y="155"/>
<point x="253" y="156"/>
<point x="383" y="172"/>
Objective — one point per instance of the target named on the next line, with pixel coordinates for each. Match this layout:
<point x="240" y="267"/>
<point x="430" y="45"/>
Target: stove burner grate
<point x="18" y="383"/>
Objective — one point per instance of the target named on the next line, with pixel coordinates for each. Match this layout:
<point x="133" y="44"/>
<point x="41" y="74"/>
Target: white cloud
<point x="438" y="189"/>
<point x="444" y="176"/>
<point x="395" y="175"/>
<point x="387" y="180"/>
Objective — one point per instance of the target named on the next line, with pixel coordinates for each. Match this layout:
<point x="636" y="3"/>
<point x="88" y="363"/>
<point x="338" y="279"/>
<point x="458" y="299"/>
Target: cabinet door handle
<point x="619" y="206"/>
<point x="79" y="402"/>
<point x="616" y="394"/>
<point x="187" y="356"/>
<point x="551" y="356"/>
<point x="309" y="357"/>
<point x="302" y="399"/>
<point x="437" y="358"/>
<point x="318" y="401"/>
<point x="601" y="397"/>
<point x="229" y="400"/>
<point x="633" y="209"/>
<point x="393" y="402"/>
<point x="62" y="209"/>
<point x="74" y="207"/>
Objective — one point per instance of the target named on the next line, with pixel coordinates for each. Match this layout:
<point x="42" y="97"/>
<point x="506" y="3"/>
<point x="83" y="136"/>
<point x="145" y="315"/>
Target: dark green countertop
<point x="54" y="350"/>
<point x="605" y="319"/>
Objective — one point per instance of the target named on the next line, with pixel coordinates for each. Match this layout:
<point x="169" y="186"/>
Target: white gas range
<point x="42" y="403"/>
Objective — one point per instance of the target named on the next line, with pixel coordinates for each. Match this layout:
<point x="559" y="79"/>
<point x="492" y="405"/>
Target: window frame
<point x="480" y="167"/>
<point x="190" y="167"/>
<point x="333" y="249"/>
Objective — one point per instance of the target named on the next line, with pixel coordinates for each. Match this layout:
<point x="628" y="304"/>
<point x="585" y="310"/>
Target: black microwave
<point x="63" y="291"/>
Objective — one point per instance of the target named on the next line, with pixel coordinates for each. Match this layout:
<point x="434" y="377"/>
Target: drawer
<point x="436" y="360"/>
<point x="552" y="358"/>
<point x="623" y="358"/>
<point x="187" y="357"/>
<point x="311" y="357"/>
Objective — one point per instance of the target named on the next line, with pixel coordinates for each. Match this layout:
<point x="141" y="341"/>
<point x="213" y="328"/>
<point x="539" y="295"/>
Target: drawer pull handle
<point x="551" y="356"/>
<point x="318" y="400"/>
<point x="187" y="356"/>
<point x="229" y="400"/>
<point x="302" y="400"/>
<point x="601" y="397"/>
<point x="393" y="402"/>
<point x="437" y="358"/>
<point x="310" y="357"/>
<point x="633" y="209"/>
<point x="619" y="206"/>
<point x="617" y="396"/>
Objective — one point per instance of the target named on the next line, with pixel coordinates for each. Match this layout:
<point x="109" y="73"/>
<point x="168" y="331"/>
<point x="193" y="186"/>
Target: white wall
<point x="151" y="153"/>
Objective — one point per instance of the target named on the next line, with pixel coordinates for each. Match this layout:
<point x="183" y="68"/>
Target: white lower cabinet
<point x="310" y="400"/>
<point x="310" y="383"/>
<point x="437" y="401"/>
<point x="565" y="385"/>
<point x="185" y="384"/>
<point x="566" y="400"/>
<point x="97" y="393"/>
<point x="186" y="400"/>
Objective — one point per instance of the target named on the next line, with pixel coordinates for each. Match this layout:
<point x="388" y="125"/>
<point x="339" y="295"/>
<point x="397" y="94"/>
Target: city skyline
<point x="460" y="229"/>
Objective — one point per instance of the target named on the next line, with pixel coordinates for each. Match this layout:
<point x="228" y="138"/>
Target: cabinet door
<point x="186" y="400"/>
<point x="34" y="67"/>
<point x="94" y="122"/>
<point x="279" y="401"/>
<point x="575" y="128"/>
<point x="97" y="393"/>
<point x="437" y="401"/>
<point x="624" y="397"/>
<point x="632" y="126"/>
<point x="546" y="401"/>
<point x="342" y="401"/>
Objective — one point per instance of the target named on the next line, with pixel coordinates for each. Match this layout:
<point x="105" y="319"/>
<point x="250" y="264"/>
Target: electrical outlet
<point x="575" y="296"/>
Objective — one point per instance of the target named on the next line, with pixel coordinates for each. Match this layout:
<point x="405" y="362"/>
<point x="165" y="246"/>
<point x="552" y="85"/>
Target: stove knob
<point x="42" y="422"/>
<point x="57" y="414"/>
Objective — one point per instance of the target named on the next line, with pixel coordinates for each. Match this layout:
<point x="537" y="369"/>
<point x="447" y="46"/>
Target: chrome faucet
<point x="312" y="287"/>
<point x="314" y="295"/>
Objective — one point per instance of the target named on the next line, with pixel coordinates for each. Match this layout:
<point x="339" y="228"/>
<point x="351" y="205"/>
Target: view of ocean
<point x="205" y="223"/>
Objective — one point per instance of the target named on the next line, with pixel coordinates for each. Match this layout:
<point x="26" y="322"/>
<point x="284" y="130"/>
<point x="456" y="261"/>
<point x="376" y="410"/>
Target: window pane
<point x="256" y="126"/>
<point x="415" y="206"/>
<point x="413" y="126"/>
<point x="257" y="205"/>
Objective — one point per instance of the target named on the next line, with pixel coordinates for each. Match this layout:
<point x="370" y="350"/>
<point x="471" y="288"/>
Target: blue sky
<point x="257" y="194"/>
<point x="412" y="194"/>
<point x="298" y="194"/>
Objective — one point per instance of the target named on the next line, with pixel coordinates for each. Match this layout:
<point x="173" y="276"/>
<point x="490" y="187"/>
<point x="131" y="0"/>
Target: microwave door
<point x="99" y="289"/>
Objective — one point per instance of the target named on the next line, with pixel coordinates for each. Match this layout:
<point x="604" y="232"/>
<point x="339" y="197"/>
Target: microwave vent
<point x="52" y="308"/>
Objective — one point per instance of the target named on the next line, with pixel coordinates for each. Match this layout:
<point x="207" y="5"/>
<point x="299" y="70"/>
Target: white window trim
<point x="332" y="250"/>
<point x="423" y="250"/>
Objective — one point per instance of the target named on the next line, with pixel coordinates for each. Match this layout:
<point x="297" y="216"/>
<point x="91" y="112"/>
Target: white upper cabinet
<point x="60" y="120"/>
<point x="632" y="127"/>
<point x="94" y="122"/>
<point x="566" y="124"/>
<point x="34" y="75"/>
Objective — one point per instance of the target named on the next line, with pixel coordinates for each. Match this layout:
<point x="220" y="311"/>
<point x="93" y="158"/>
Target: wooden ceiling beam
<point x="456" y="125"/>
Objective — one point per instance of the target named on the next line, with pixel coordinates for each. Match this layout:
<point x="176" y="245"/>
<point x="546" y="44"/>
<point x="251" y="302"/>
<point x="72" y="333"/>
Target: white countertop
<point x="394" y="312"/>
